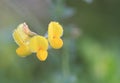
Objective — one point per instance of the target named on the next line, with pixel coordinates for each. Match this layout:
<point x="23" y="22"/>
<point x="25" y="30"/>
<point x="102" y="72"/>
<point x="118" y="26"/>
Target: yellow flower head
<point x="39" y="44"/>
<point x="55" y="31"/>
<point x="30" y="42"/>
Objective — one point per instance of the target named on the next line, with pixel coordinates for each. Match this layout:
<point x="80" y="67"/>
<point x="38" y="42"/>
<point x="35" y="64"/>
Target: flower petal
<point x="17" y="38"/>
<point x="55" y="29"/>
<point x="23" y="51"/>
<point x="42" y="55"/>
<point x="37" y="43"/>
<point x="56" y="43"/>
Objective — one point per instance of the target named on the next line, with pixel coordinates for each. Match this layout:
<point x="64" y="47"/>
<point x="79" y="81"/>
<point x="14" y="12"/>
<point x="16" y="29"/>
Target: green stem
<point x="65" y="60"/>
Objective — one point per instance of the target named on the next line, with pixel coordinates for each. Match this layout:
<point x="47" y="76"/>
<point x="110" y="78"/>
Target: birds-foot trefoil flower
<point x="55" y="31"/>
<point x="30" y="42"/>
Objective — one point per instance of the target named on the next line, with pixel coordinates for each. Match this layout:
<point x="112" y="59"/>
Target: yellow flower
<point x="22" y="39"/>
<point x="30" y="42"/>
<point x="55" y="31"/>
<point x="39" y="44"/>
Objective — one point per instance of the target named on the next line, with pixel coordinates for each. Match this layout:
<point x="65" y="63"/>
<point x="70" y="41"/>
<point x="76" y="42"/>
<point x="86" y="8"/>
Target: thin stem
<point x="65" y="60"/>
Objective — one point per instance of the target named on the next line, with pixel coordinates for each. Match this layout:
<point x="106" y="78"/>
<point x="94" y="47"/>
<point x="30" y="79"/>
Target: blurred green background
<point x="91" y="51"/>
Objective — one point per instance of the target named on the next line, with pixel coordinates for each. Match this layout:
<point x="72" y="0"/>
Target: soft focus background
<point x="91" y="51"/>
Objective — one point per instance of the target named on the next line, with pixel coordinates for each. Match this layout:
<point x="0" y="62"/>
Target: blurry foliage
<point x="91" y="41"/>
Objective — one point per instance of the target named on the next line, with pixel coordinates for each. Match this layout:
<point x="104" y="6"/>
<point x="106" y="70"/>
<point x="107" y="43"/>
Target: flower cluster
<point x="30" y="42"/>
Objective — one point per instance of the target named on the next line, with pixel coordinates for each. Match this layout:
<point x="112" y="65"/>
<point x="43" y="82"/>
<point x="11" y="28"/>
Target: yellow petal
<point x="23" y="51"/>
<point x="42" y="55"/>
<point x="17" y="38"/>
<point x="19" y="35"/>
<point x="56" y="43"/>
<point x="38" y="43"/>
<point x="55" y="29"/>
